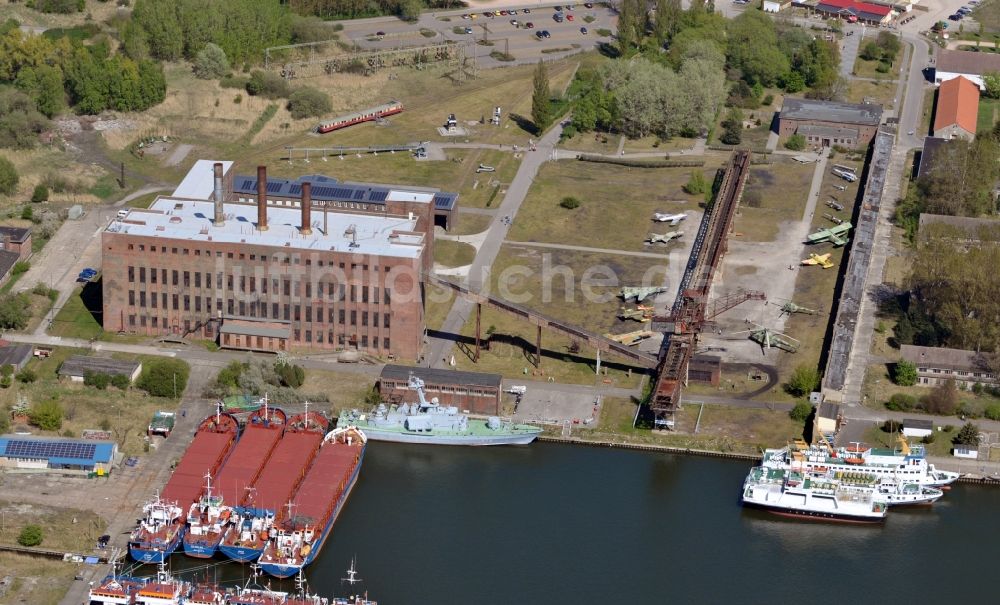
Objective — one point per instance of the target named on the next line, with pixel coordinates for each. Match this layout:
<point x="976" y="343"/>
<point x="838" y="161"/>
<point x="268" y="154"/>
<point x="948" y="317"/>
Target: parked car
<point x="513" y="22"/>
<point x="955" y="17"/>
<point x="539" y="34"/>
<point x="529" y="25"/>
<point x="546" y="34"/>
<point x="526" y="11"/>
<point x="468" y="30"/>
<point x="569" y="17"/>
<point x="583" y="30"/>
<point x="588" y="5"/>
<point x="380" y="34"/>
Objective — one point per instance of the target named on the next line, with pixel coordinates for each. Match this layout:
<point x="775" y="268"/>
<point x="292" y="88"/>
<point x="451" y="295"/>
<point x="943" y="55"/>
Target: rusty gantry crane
<point x="691" y="310"/>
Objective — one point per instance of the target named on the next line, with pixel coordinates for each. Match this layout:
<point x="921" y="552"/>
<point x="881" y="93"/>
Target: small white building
<point x="774" y="6"/>
<point x="917" y="428"/>
<point x="966" y="451"/>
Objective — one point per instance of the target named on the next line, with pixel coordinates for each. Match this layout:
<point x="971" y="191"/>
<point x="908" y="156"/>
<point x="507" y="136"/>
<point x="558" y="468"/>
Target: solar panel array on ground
<point x="283" y="471"/>
<point x="203" y="456"/>
<point x="37" y="450"/>
<point x="246" y="462"/>
<point x="326" y="481"/>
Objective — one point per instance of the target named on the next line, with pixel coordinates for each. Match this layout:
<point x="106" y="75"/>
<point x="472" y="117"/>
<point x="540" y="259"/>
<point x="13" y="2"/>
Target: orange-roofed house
<point x="957" y="108"/>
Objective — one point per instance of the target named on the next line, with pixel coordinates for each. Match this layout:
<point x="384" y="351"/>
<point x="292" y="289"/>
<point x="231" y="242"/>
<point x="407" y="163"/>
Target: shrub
<point x="804" y="380"/>
<point x="892" y="426"/>
<point x="768" y="99"/>
<point x="46" y="415"/>
<point x="569" y="203"/>
<point x="211" y="62"/>
<point x="883" y="67"/>
<point x="267" y="84"/>
<point x="27" y="375"/>
<point x="308" y="102"/>
<point x="800" y="412"/>
<point x="232" y="81"/>
<point x="31" y="535"/>
<point x="14" y="309"/>
<point x="27" y="213"/>
<point x="928" y="439"/>
<point x="992" y="411"/>
<point x="8" y="177"/>
<point x="120" y="381"/>
<point x="99" y="380"/>
<point x="159" y="375"/>
<point x="697" y="184"/>
<point x="6" y="370"/>
<point x="901" y="402"/>
<point x="967" y="435"/>
<point x="943" y="399"/>
<point x="904" y="373"/>
<point x="20" y="120"/>
<point x="40" y="194"/>
<point x="291" y="375"/>
<point x="796" y="142"/>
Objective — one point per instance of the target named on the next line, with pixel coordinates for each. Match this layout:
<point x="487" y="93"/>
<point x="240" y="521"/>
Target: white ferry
<point x="908" y="464"/>
<point x="796" y="494"/>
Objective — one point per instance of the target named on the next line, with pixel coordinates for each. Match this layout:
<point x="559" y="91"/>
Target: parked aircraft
<point x="673" y="219"/>
<point x="822" y="260"/>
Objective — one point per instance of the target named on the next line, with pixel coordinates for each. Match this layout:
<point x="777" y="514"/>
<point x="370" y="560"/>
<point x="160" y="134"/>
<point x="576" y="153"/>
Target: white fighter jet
<point x="673" y="219"/>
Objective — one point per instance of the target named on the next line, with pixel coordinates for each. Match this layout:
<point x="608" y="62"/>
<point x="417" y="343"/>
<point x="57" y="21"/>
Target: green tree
<point x="631" y="18"/>
<point x="291" y="375"/>
<point x="268" y="85"/>
<point x="46" y="415"/>
<point x="796" y="142"/>
<point x="991" y="80"/>
<point x="753" y="48"/>
<point x="211" y="62"/>
<point x="8" y="177"/>
<point x="904" y="373"/>
<point x="14" y="311"/>
<point x="801" y="411"/>
<point x="541" y="98"/>
<point x="121" y="382"/>
<point x="870" y="51"/>
<point x="889" y="44"/>
<point x="98" y="380"/>
<point x="943" y="399"/>
<point x="901" y="402"/>
<point x="27" y="375"/>
<point x="44" y="84"/>
<point x="40" y="193"/>
<point x="732" y="127"/>
<point x="20" y="121"/>
<point x="31" y="535"/>
<point x="967" y="435"/>
<point x="804" y="380"/>
<point x="668" y="16"/>
<point x="159" y="377"/>
<point x="309" y="102"/>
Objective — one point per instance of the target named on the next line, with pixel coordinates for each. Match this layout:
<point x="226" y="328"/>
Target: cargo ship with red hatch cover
<point x="245" y="537"/>
<point x="208" y="518"/>
<point x="161" y="529"/>
<point x="299" y="534"/>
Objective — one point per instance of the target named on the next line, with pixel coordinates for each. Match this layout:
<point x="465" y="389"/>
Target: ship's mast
<point x="352" y="574"/>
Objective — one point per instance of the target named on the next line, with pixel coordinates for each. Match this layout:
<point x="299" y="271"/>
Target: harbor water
<point x="554" y="524"/>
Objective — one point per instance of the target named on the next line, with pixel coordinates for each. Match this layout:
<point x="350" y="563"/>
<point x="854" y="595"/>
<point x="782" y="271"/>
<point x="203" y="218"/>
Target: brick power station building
<point x="278" y="270"/>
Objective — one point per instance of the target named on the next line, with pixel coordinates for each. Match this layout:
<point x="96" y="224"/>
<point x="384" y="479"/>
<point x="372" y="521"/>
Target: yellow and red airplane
<point x="822" y="260"/>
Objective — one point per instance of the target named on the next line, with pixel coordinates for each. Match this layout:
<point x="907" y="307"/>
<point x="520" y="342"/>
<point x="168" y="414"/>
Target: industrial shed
<point x="473" y="391"/>
<point x="76" y="366"/>
<point x="57" y="453"/>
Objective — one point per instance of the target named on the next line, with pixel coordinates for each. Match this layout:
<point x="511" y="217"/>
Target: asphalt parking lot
<point x="507" y="33"/>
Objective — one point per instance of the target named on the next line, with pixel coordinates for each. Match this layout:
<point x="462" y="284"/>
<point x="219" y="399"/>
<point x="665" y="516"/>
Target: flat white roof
<point x="174" y="218"/>
<point x="199" y="182"/>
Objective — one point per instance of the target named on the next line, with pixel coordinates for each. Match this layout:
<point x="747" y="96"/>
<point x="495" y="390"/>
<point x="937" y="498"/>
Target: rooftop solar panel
<point x="295" y="190"/>
<point x="323" y="191"/>
<point x="247" y="184"/>
<point x="342" y="192"/>
<point x="273" y="187"/>
<point x="378" y="196"/>
<point x="23" y="448"/>
<point x="359" y="194"/>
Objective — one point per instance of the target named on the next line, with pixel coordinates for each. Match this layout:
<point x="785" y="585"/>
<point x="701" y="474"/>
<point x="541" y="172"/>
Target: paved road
<point x="439" y="349"/>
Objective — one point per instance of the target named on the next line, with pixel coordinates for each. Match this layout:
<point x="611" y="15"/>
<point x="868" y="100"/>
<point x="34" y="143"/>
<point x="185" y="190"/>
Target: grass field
<point x="453" y="254"/>
<point x="75" y="319"/>
<point x="782" y="188"/>
<point x="989" y="113"/>
<point x="126" y="413"/>
<point x="882" y="92"/>
<point x="616" y="204"/>
<point x="36" y="581"/>
<point x="927" y="112"/>
<point x="346" y="390"/>
<point x="65" y="529"/>
<point x="722" y="428"/>
<point x="867" y="69"/>
<point x="468" y="224"/>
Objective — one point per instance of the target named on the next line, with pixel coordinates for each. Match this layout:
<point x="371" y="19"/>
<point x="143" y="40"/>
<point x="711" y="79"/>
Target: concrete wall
<point x="954" y="131"/>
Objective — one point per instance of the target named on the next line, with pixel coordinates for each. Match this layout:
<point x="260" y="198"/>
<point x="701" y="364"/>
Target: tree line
<point x="47" y="75"/>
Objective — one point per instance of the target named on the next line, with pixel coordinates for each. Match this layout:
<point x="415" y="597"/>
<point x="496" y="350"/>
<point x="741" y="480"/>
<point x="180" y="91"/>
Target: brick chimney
<point x="262" y="198"/>
<point x="220" y="218"/>
<point x="307" y="208"/>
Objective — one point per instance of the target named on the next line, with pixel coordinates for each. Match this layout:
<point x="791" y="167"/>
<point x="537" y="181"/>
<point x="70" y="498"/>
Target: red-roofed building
<point x="957" y="109"/>
<point x="856" y="11"/>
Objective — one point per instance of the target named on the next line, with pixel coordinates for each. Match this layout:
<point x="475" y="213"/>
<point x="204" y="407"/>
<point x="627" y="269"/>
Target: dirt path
<point x="179" y="154"/>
